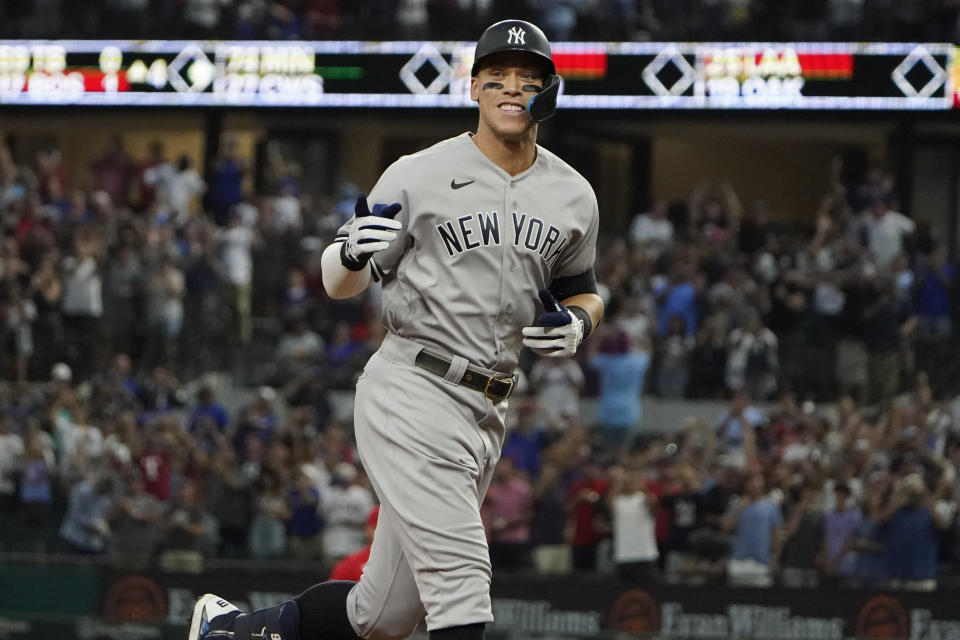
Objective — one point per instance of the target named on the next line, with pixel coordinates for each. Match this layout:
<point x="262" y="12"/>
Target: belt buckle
<point x="510" y="381"/>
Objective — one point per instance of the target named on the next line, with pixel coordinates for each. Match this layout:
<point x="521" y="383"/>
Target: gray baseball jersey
<point x="476" y="246"/>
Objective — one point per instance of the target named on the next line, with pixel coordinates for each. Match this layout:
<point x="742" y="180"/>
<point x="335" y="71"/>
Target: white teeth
<point x="510" y="107"/>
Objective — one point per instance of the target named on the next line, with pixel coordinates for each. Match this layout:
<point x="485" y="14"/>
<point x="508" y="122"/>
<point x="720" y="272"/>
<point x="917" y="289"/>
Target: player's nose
<point x="513" y="84"/>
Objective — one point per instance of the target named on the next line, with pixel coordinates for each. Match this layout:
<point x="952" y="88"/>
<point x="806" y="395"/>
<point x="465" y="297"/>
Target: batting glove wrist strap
<point x="370" y="232"/>
<point x="558" y="331"/>
<point x="351" y="263"/>
<point x="581" y="314"/>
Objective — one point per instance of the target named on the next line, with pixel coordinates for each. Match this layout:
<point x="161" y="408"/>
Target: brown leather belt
<point x="496" y="388"/>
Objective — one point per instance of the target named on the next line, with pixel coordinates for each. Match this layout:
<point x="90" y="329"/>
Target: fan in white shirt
<point x="634" y="537"/>
<point x="653" y="231"/>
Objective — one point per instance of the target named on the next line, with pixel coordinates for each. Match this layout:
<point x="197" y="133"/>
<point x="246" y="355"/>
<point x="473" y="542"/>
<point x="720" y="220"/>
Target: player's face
<point x="502" y="87"/>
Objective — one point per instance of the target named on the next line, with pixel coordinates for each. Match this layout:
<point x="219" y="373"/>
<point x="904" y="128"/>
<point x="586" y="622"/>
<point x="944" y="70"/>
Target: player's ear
<point x="475" y="89"/>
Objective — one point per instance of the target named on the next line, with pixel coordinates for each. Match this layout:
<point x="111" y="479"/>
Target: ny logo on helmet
<point x="516" y="36"/>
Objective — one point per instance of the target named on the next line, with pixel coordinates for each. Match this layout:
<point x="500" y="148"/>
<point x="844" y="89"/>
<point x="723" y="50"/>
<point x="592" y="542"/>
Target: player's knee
<point x="391" y="627"/>
<point x="383" y="619"/>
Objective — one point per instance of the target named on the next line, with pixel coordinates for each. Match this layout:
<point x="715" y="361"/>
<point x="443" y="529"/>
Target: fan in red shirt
<point x="584" y="509"/>
<point x="351" y="567"/>
<point x="154" y="464"/>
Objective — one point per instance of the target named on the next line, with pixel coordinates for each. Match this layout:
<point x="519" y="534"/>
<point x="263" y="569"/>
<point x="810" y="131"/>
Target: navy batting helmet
<point x="513" y="35"/>
<point x="519" y="35"/>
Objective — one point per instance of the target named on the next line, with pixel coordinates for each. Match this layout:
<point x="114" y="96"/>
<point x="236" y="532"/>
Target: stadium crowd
<point x="118" y="286"/>
<point x="608" y="20"/>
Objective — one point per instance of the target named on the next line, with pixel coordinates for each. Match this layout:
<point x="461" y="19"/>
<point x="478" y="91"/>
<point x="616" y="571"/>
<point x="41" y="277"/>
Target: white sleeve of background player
<point x="393" y="186"/>
<point x="582" y="253"/>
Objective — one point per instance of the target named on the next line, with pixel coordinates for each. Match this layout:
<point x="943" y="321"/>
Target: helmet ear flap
<point x="543" y="105"/>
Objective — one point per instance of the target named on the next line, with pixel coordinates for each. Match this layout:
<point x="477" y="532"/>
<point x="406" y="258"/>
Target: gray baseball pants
<point x="429" y="448"/>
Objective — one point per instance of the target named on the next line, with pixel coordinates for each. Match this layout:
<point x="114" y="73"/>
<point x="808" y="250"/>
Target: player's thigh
<point x="385" y="603"/>
<point x="422" y="446"/>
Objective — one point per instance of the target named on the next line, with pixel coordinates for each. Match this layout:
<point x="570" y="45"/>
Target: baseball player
<point x="484" y="243"/>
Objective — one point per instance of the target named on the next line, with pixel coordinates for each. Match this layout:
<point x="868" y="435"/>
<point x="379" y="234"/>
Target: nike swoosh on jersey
<point x="456" y="185"/>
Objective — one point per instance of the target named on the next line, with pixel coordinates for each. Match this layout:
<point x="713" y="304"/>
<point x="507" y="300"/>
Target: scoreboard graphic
<point x="639" y="75"/>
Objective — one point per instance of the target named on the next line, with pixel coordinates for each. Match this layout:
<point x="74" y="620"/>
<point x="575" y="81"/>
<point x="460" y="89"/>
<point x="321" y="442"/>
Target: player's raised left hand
<point x="557" y="333"/>
<point x="371" y="231"/>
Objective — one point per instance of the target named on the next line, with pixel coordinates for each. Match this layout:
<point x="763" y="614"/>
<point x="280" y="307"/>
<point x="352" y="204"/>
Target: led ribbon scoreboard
<point x="636" y="75"/>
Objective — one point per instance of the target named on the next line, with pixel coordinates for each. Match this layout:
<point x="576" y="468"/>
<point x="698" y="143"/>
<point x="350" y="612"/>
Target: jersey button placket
<point x="512" y="209"/>
<point x="502" y="310"/>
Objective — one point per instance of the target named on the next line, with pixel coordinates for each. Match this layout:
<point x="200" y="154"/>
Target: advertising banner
<point x="591" y="607"/>
<point x="157" y="605"/>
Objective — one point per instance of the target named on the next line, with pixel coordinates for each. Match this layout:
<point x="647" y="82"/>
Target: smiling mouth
<point x="511" y="108"/>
